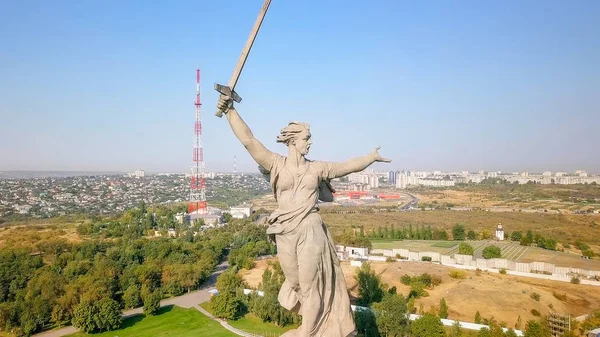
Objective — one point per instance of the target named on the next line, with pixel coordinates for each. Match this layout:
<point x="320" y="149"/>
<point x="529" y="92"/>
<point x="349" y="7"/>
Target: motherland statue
<point x="314" y="285"/>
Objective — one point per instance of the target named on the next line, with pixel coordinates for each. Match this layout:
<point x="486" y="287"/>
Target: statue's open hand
<point x="224" y="103"/>
<point x="378" y="158"/>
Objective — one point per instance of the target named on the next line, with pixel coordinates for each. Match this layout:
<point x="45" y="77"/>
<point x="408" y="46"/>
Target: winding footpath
<point x="190" y="300"/>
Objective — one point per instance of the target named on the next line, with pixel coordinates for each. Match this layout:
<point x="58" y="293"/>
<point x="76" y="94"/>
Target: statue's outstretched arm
<point x="338" y="170"/>
<point x="257" y="150"/>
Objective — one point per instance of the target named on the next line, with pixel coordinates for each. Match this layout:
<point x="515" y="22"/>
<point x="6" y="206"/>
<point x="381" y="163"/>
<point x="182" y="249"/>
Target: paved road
<point x="190" y="300"/>
<point x="410" y="204"/>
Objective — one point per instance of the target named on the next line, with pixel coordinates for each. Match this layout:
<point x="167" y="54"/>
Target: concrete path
<point x="190" y="300"/>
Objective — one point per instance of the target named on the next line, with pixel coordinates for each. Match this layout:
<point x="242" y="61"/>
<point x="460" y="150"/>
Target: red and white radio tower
<point x="197" y="201"/>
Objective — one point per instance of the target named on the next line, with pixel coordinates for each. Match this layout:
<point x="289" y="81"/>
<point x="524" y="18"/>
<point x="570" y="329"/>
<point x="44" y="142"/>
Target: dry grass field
<point x="22" y="236"/>
<point x="563" y="197"/>
<point x="505" y="297"/>
<point x="561" y="227"/>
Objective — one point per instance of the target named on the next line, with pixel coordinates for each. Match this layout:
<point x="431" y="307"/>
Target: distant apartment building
<point x="392" y="177"/>
<point x="401" y="180"/>
<point x="365" y="177"/>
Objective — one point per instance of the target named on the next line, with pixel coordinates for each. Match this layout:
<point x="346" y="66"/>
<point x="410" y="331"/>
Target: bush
<point x="436" y="280"/>
<point x="390" y="259"/>
<point x="458" y="274"/>
<point x="465" y="249"/>
<point x="567" y="246"/>
<point x="477" y="271"/>
<point x="575" y="280"/>
<point x="426" y="258"/>
<point x="561" y="297"/>
<point x="535" y="313"/>
<point x="492" y="252"/>
<point x="535" y="296"/>
<point x="406" y="279"/>
<point x="503" y="271"/>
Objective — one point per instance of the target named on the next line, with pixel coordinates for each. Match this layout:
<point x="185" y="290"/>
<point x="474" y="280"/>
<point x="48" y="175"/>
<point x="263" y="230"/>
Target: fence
<point x="468" y="260"/>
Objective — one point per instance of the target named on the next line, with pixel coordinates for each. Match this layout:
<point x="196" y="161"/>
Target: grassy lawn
<point x="251" y="323"/>
<point x="415" y="245"/>
<point x="171" y="321"/>
<point x="445" y="244"/>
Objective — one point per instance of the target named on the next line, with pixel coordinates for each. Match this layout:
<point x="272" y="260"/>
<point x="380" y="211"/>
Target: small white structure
<point x="499" y="233"/>
<point x="179" y="217"/>
<point x="241" y="211"/>
<point x="172" y="232"/>
<point x="345" y="253"/>
<point x="357" y="253"/>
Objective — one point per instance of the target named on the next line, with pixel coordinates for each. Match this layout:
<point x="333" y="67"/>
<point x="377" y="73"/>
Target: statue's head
<point x="296" y="134"/>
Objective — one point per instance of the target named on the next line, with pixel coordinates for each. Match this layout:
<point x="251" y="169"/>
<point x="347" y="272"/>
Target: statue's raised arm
<point x="338" y="170"/>
<point x="257" y="150"/>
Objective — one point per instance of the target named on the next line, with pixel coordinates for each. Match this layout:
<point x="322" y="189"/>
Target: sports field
<point x="172" y="321"/>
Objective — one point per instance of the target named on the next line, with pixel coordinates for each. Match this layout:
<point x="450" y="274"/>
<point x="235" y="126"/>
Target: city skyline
<point x="511" y="86"/>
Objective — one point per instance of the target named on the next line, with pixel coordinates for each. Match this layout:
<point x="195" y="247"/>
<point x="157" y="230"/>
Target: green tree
<point x="132" y="297"/>
<point x="492" y="252"/>
<point x="471" y="235"/>
<point x="83" y="317"/>
<point x="366" y="322"/>
<point x="516" y="236"/>
<point x="427" y="325"/>
<point x="391" y="315"/>
<point x="370" y="289"/>
<point x="477" y="318"/>
<point x="456" y="330"/>
<point x="151" y="302"/>
<point x="227" y="217"/>
<point x="465" y="249"/>
<point x="227" y="304"/>
<point x="484" y="332"/>
<point x="443" y="309"/>
<point x="267" y="307"/>
<point x="536" y="329"/>
<point x="108" y="314"/>
<point x="458" y="232"/>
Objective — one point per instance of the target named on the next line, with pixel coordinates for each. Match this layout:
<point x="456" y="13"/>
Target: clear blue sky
<point x="450" y="85"/>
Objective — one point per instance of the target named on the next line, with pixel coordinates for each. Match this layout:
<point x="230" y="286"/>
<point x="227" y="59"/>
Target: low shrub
<point x="503" y="271"/>
<point x="535" y="313"/>
<point x="535" y="296"/>
<point x="561" y="297"/>
<point x="458" y="274"/>
<point x="575" y="280"/>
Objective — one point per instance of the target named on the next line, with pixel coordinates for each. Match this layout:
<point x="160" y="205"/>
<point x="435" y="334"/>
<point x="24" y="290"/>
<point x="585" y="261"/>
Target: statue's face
<point x="303" y="142"/>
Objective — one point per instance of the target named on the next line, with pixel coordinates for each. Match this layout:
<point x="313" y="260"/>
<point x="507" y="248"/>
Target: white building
<point x="241" y="211"/>
<point x="401" y="180"/>
<point x="139" y="173"/>
<point x="499" y="233"/>
<point x="365" y="177"/>
<point x="345" y="253"/>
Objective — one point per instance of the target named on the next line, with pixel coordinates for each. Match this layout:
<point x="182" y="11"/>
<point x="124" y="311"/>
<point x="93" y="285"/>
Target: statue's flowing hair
<point x="291" y="132"/>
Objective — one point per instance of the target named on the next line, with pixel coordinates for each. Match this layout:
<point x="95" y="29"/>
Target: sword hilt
<point x="225" y="90"/>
